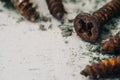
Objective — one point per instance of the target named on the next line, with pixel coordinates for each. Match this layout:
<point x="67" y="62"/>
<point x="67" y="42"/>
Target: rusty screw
<point x="88" y="26"/>
<point x="56" y="8"/>
<point x="112" y="45"/>
<point x="102" y="69"/>
<point x="25" y="7"/>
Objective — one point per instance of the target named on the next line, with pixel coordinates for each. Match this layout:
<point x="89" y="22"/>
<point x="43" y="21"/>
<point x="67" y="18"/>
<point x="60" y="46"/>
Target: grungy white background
<point x="27" y="53"/>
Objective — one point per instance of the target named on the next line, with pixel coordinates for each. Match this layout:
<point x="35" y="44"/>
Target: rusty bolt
<point x="56" y="8"/>
<point x="88" y="26"/>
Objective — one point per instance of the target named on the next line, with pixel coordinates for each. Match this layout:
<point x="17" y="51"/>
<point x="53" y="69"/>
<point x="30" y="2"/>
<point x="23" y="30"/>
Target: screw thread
<point x="112" y="45"/>
<point x="103" y="69"/>
<point x="108" y="11"/>
<point x="56" y="8"/>
<point x="26" y="9"/>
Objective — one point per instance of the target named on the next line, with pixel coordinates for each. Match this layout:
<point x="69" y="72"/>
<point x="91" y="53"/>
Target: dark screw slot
<point x="88" y="26"/>
<point x="82" y="24"/>
<point x="56" y="8"/>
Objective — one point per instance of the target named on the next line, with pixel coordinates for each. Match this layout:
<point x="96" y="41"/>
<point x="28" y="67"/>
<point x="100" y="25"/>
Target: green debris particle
<point x="1" y="10"/>
<point x="94" y="48"/>
<point x="20" y="20"/>
<point x="66" y="42"/>
<point x="67" y="30"/>
<point x="42" y="27"/>
<point x="50" y="26"/>
<point x="45" y="19"/>
<point x="7" y="4"/>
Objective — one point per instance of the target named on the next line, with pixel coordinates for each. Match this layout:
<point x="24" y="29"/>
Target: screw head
<point x="87" y="27"/>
